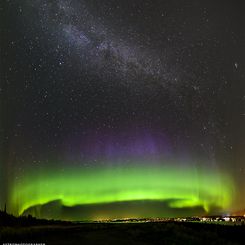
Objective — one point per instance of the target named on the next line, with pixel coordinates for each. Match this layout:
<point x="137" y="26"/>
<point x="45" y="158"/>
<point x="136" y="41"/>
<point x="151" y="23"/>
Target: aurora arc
<point x="184" y="187"/>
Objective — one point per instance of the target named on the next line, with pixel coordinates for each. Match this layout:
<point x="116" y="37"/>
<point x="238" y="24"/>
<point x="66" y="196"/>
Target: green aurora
<point x="186" y="187"/>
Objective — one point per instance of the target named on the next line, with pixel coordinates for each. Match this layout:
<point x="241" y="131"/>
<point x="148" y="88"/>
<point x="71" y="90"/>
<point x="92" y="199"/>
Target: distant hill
<point x="10" y="220"/>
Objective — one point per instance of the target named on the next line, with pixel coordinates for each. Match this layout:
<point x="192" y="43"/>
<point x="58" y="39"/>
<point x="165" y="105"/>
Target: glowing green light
<point x="187" y="187"/>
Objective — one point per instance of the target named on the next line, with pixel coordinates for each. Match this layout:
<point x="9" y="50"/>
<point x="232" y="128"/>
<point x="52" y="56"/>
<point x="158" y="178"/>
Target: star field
<point x="111" y="83"/>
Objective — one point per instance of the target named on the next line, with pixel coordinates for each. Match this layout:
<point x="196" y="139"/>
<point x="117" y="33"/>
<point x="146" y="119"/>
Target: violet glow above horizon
<point x="116" y="146"/>
<point x="123" y="167"/>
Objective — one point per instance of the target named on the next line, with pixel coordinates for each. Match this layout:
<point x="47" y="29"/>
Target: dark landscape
<point x="31" y="230"/>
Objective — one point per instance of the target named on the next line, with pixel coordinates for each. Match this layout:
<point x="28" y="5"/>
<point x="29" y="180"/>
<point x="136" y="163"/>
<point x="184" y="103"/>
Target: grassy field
<point x="125" y="233"/>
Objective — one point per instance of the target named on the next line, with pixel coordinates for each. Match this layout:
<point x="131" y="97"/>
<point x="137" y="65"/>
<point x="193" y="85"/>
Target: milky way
<point x="99" y="47"/>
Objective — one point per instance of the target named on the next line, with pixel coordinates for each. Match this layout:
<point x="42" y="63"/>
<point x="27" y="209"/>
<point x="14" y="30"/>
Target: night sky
<point x="122" y="108"/>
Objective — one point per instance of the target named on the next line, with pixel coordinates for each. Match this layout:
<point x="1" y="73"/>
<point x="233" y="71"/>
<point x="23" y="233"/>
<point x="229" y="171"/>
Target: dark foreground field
<point x="125" y="233"/>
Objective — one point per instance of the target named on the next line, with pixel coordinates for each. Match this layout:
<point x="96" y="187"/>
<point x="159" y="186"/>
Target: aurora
<point x="185" y="187"/>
